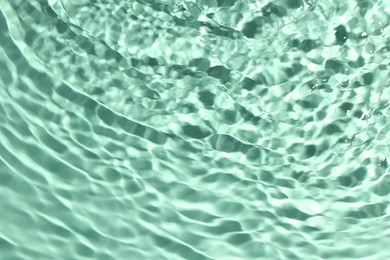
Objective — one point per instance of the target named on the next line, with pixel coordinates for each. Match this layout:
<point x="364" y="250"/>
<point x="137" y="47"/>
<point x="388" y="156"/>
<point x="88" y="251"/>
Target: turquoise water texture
<point x="194" y="129"/>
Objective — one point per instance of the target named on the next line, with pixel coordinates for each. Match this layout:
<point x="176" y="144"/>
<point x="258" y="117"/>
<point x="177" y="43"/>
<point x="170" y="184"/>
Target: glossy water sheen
<point x="196" y="129"/>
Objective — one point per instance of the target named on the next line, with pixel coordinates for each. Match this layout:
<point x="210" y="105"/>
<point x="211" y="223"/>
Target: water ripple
<point x="194" y="129"/>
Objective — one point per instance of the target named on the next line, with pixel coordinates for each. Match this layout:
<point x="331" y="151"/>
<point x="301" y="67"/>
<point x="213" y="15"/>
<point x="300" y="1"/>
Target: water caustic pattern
<point x="218" y="129"/>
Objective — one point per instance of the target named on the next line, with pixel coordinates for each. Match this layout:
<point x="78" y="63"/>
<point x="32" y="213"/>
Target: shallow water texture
<point x="202" y="129"/>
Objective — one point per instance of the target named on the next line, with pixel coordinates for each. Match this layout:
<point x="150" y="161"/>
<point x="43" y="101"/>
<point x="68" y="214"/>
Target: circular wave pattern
<point x="194" y="129"/>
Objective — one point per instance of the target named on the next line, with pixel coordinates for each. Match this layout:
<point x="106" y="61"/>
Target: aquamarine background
<point x="202" y="129"/>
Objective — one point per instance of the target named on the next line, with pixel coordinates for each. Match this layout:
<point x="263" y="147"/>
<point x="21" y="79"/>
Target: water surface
<point x="195" y="129"/>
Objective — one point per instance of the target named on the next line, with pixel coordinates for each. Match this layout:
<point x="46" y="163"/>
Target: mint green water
<point x="195" y="129"/>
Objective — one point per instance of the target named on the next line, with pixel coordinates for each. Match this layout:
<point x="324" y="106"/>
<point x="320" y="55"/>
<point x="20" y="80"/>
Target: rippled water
<point x="196" y="129"/>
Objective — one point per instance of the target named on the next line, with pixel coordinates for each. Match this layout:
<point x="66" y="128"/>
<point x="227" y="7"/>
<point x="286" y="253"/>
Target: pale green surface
<point x="202" y="129"/>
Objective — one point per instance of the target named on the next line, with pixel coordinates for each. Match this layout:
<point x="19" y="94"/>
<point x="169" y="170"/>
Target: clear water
<point x="202" y="129"/>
